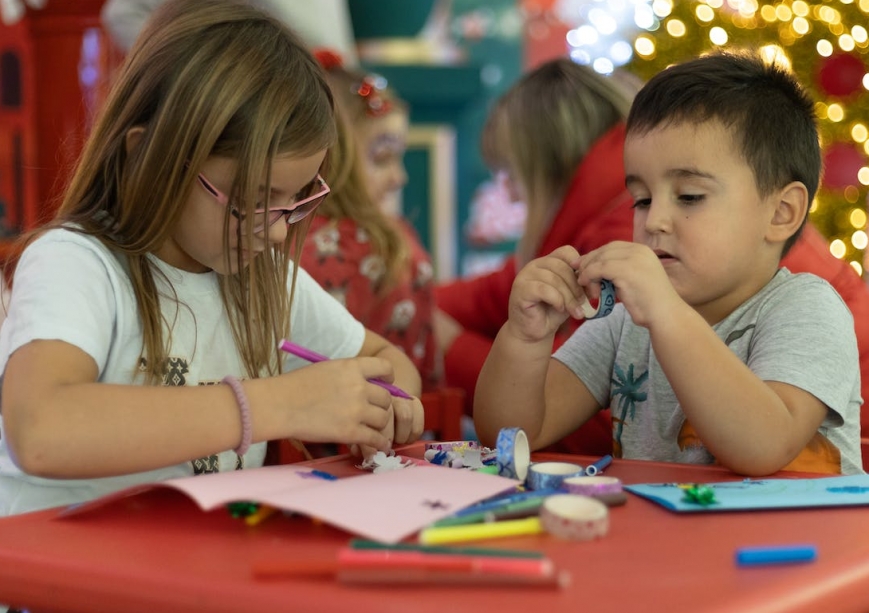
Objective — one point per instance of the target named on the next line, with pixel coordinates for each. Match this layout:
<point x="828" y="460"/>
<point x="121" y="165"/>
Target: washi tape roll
<point x="605" y="305"/>
<point x="606" y="489"/>
<point x="593" y="486"/>
<point x="573" y="517"/>
<point x="550" y="475"/>
<point x="453" y="459"/>
<point x="514" y="453"/>
<point x="460" y="446"/>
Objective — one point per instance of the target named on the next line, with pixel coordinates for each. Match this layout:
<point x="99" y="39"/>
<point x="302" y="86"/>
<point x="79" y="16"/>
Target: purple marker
<point x="313" y="356"/>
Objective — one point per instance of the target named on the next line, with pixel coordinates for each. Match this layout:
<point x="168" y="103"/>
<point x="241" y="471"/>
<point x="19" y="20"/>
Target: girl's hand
<point x="334" y="402"/>
<point x="405" y="426"/>
<point x="545" y="293"/>
<point x="366" y="451"/>
<point x="409" y="419"/>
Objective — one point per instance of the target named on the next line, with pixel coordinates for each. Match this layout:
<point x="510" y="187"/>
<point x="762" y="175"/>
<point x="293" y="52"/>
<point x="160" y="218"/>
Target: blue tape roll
<point x="607" y="299"/>
<point x="551" y="475"/>
<point x="513" y="452"/>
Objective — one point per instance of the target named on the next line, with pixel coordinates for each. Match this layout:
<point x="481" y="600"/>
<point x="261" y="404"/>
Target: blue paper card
<point x="752" y="494"/>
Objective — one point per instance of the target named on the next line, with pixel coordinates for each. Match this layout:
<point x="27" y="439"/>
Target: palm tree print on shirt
<point x="627" y="390"/>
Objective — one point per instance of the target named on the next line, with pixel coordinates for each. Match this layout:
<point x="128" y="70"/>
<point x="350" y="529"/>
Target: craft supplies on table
<point x="656" y="547"/>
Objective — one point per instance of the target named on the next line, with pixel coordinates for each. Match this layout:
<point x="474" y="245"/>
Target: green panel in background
<point x="388" y="18"/>
<point x="456" y="95"/>
<point x="416" y="193"/>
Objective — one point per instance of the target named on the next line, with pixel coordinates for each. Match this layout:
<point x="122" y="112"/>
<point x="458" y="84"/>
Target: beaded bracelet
<point x="244" y="409"/>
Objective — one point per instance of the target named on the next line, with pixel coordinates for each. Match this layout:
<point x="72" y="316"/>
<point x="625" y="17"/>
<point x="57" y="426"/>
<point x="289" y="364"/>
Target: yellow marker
<point x="260" y="515"/>
<point x="473" y="532"/>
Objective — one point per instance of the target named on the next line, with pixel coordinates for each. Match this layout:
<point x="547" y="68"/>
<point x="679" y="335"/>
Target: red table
<point x="158" y="552"/>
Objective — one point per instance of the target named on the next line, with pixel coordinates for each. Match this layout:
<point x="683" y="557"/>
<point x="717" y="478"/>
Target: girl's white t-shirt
<point x="71" y="287"/>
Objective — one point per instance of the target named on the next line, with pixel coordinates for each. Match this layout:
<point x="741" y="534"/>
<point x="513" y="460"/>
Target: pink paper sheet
<point x="385" y="507"/>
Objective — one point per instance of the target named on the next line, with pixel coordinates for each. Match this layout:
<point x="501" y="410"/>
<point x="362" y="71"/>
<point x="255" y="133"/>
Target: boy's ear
<point x="133" y="137"/>
<point x="790" y="212"/>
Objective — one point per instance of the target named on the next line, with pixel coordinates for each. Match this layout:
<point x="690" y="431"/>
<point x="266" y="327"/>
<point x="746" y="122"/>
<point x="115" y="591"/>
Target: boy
<point x="714" y="354"/>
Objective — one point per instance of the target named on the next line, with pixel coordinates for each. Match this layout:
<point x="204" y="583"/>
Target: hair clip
<point x="370" y="91"/>
<point x="328" y="58"/>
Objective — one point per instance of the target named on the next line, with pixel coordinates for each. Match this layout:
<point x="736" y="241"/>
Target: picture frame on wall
<point x="429" y="198"/>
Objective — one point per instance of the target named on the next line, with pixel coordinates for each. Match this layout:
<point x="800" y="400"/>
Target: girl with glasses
<point x="143" y="330"/>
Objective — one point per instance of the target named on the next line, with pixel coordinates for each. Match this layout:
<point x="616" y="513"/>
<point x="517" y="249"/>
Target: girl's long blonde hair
<point x="540" y="130"/>
<point x="350" y="198"/>
<point x="205" y="78"/>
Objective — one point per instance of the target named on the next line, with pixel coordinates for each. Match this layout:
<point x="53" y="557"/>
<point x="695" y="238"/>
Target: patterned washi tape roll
<point x="593" y="486"/>
<point x="550" y="475"/>
<point x="605" y="305"/>
<point x="606" y="489"/>
<point x="459" y="446"/>
<point x="578" y="518"/>
<point x="514" y="453"/>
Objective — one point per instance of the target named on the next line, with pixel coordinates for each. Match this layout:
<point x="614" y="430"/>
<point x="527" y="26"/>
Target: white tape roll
<point x="569" y="516"/>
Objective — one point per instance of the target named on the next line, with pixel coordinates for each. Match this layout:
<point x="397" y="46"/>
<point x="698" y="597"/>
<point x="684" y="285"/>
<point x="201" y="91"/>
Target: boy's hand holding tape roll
<point x="548" y="290"/>
<point x="640" y="272"/>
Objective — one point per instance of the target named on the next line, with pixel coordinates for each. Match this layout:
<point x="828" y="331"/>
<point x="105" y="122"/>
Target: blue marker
<point x="501" y="501"/>
<point x="595" y="469"/>
<point x="324" y="475"/>
<point x="779" y="554"/>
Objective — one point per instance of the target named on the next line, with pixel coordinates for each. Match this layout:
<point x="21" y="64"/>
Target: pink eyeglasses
<point x="308" y="199"/>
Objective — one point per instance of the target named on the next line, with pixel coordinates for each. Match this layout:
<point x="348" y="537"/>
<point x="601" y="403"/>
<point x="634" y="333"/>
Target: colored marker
<point x="260" y="515"/>
<point x="598" y="467"/>
<point x="403" y="570"/>
<point x="516" y="510"/>
<point x="444" y="549"/>
<point x="399" y="567"/>
<point x="322" y="474"/>
<point x="425" y="576"/>
<point x="313" y="356"/>
<point x="474" y="532"/>
<point x="385" y="558"/>
<point x="777" y="554"/>
<point x="498" y="502"/>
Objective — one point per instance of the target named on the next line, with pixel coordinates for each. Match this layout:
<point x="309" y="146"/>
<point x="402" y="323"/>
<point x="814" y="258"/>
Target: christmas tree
<point x="825" y="43"/>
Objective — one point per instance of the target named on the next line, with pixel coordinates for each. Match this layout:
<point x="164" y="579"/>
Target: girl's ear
<point x="791" y="208"/>
<point x="133" y="137"/>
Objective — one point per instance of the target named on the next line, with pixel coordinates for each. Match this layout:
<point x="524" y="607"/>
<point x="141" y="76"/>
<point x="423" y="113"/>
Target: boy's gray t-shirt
<point x="796" y="330"/>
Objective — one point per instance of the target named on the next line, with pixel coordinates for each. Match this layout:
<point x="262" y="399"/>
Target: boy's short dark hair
<point x="769" y="114"/>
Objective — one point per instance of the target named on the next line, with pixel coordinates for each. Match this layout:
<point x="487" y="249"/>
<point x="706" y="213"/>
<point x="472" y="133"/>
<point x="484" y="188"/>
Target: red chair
<point x="443" y="412"/>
